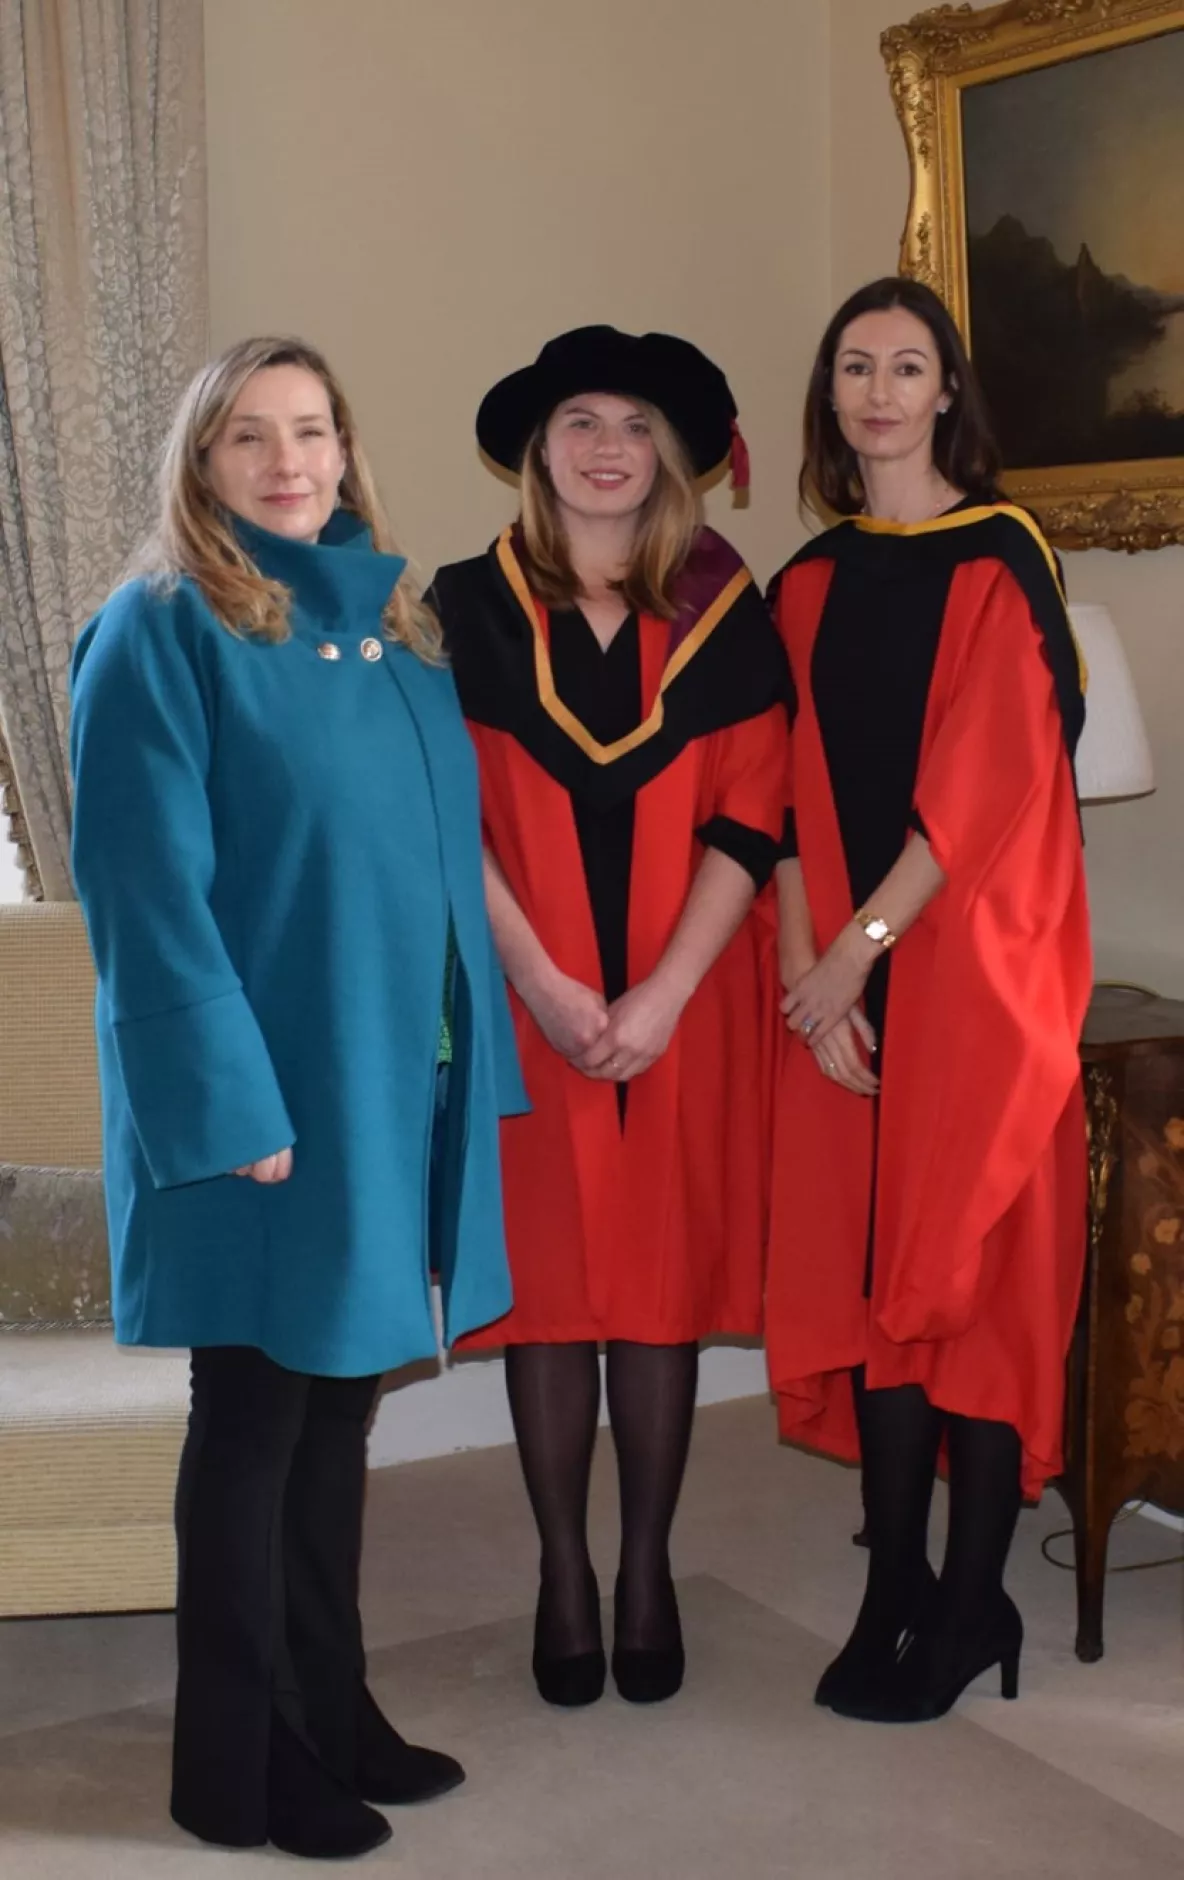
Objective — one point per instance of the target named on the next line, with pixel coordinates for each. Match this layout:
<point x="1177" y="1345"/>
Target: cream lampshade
<point x="1113" y="757"/>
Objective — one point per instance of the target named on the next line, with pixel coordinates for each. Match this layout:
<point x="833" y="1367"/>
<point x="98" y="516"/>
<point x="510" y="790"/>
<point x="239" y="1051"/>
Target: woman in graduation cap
<point x="929" y="1181"/>
<point x="625" y="688"/>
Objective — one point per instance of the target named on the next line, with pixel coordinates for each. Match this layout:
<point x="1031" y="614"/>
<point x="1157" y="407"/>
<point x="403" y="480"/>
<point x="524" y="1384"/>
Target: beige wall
<point x="431" y="191"/>
<point x="1135" y="850"/>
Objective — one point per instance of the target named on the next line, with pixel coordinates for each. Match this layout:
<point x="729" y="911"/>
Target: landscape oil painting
<point x="1074" y="182"/>
<point x="1046" y="207"/>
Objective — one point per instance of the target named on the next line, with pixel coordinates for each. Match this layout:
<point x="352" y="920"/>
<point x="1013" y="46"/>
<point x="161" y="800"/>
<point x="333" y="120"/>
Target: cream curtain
<point x="102" y="321"/>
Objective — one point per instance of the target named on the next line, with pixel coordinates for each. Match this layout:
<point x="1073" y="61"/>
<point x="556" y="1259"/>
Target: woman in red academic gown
<point x="625" y="690"/>
<point x="929" y="1177"/>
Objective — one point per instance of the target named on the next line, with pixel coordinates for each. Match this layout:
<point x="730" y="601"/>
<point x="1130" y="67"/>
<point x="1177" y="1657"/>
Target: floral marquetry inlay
<point x="1155" y="1306"/>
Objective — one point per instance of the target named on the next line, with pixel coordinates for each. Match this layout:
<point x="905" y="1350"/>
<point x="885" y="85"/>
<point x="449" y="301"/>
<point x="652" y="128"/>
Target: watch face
<point x="876" y="929"/>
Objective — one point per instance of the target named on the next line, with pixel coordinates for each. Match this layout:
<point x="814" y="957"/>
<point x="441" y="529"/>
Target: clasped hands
<point x="615" y="1042"/>
<point x="821" y="1005"/>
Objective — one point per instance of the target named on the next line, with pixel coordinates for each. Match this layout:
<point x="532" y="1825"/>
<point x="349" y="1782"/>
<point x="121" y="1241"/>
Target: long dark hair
<point x="964" y="447"/>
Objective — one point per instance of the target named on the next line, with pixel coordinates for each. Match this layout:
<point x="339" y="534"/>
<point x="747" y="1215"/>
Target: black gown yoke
<point x="870" y="676"/>
<point x="602" y="686"/>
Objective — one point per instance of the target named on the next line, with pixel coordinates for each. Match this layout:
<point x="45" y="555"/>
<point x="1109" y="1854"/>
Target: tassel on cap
<point x="738" y="457"/>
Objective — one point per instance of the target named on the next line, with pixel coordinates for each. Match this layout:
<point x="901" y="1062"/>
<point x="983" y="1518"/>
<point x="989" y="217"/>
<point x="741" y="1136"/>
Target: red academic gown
<point x="937" y="1236"/>
<point x="647" y="1225"/>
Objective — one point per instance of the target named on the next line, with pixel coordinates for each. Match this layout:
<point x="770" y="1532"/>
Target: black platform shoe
<point x="872" y="1651"/>
<point x="649" y="1676"/>
<point x="309" y="1812"/>
<point x="570" y="1683"/>
<point x="395" y="1773"/>
<point x="937" y="1665"/>
<point x="576" y="1680"/>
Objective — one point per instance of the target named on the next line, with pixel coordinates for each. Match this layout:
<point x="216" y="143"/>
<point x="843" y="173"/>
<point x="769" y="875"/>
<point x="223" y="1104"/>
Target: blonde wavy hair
<point x="666" y="526"/>
<point x="194" y="537"/>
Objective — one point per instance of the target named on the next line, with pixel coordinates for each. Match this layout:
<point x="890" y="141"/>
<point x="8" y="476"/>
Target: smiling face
<point x="888" y="389"/>
<point x="601" y="455"/>
<point x="278" y="459"/>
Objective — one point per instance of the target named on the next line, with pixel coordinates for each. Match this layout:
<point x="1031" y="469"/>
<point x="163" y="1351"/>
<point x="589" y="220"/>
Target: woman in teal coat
<point x="277" y="849"/>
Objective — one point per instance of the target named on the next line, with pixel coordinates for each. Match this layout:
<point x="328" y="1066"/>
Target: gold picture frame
<point x="937" y="62"/>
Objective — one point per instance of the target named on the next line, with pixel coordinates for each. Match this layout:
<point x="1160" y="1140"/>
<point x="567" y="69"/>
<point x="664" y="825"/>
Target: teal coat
<point x="269" y="843"/>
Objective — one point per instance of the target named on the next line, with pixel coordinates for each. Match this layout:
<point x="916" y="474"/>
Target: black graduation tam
<point x="667" y="372"/>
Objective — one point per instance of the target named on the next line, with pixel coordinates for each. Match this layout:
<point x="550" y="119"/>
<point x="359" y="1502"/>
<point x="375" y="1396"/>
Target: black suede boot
<point x="945" y="1657"/>
<point x="872" y="1653"/>
<point x="899" y="1436"/>
<point x="972" y="1625"/>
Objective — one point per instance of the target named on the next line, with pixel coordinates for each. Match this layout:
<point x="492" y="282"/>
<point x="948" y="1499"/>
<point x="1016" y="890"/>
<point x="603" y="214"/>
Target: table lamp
<point x="1113" y="757"/>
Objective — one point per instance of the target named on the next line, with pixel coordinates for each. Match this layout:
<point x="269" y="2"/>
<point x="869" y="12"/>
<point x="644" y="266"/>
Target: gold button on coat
<point x="328" y="650"/>
<point x="371" y="649"/>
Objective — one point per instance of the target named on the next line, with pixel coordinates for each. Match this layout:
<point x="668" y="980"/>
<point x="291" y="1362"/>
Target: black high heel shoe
<point x="574" y="1681"/>
<point x="570" y="1683"/>
<point x="648" y="1676"/>
<point x="939" y="1662"/>
<point x="872" y="1652"/>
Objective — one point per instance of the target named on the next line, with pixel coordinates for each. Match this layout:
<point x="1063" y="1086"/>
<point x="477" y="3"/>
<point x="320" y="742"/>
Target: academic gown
<point x="936" y="1235"/>
<point x="632" y="1212"/>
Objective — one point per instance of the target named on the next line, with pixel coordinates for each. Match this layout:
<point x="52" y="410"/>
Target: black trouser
<point x="269" y="1537"/>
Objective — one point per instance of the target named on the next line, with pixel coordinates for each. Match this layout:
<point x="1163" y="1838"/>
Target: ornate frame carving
<point x="931" y="60"/>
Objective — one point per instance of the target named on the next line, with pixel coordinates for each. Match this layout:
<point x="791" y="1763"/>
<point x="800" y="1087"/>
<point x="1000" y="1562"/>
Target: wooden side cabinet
<point x="1124" y="1437"/>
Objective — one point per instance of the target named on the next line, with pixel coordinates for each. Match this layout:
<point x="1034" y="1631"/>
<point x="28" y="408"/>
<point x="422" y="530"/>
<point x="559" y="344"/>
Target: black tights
<point x="269" y="1538"/>
<point x="900" y="1433"/>
<point x="554" y="1395"/>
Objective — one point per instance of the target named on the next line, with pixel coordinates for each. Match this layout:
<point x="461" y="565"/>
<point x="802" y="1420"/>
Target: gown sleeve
<point x="1001" y="740"/>
<point x="747" y="767"/>
<point x="201" y="1088"/>
<point x="996" y="1053"/>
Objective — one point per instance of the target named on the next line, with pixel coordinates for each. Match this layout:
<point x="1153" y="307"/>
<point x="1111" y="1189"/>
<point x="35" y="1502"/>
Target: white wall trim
<point x="435" y="1409"/>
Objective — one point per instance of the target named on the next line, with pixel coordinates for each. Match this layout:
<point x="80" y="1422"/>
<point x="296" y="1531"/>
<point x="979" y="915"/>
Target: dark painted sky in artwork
<point x="1090" y="150"/>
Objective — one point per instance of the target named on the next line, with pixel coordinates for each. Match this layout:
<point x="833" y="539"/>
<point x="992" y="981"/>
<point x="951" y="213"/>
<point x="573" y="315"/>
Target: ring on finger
<point x="809" y="1025"/>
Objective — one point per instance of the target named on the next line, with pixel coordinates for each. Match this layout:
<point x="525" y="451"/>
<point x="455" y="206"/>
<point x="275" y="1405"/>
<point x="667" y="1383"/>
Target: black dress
<point x="602" y="686"/>
<point x="870" y="676"/>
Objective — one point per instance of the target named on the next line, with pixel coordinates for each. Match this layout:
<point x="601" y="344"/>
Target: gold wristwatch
<point x="876" y="929"/>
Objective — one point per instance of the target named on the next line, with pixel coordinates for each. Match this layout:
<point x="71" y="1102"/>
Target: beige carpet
<point x="740" y="1777"/>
